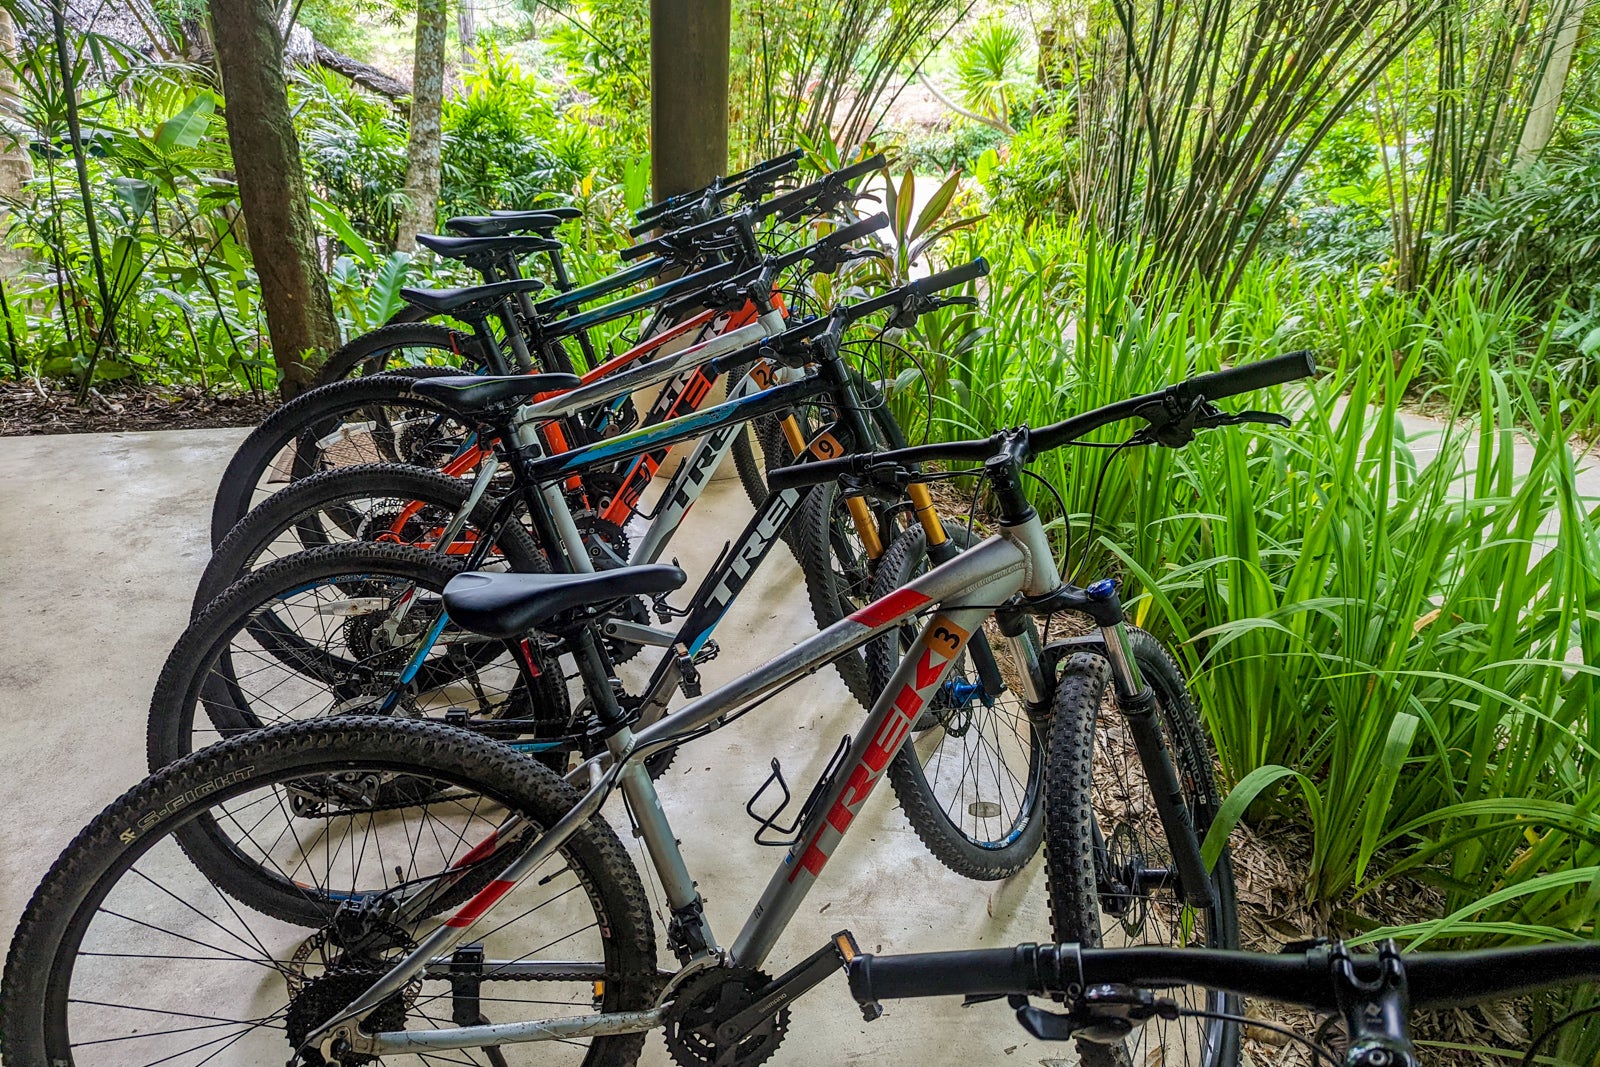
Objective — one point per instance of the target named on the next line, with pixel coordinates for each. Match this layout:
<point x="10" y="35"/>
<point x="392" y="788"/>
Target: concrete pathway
<point x="105" y="536"/>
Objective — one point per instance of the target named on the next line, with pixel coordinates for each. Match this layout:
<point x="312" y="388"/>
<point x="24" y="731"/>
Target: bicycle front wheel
<point x="970" y="777"/>
<point x="1108" y="861"/>
<point x="130" y="953"/>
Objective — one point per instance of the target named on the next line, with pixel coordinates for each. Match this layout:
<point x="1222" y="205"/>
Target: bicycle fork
<point x="1140" y="708"/>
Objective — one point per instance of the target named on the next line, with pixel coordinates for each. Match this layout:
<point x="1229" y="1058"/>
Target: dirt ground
<point x="41" y="407"/>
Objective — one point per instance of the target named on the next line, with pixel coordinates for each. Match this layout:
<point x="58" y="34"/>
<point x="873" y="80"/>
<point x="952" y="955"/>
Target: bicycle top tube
<point x="554" y="329"/>
<point x="658" y="370"/>
<point x="662" y="435"/>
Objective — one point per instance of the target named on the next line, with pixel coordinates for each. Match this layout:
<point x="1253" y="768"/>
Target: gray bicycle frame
<point x="967" y="589"/>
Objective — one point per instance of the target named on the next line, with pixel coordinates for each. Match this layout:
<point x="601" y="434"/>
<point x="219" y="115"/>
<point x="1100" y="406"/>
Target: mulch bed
<point x="42" y="407"/>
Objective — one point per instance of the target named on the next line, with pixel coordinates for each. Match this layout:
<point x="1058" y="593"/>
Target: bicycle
<point x="263" y="635"/>
<point x="487" y="244"/>
<point x="353" y="984"/>
<point x="293" y="519"/>
<point x="1111" y="994"/>
<point x="604" y="522"/>
<point x="365" y="421"/>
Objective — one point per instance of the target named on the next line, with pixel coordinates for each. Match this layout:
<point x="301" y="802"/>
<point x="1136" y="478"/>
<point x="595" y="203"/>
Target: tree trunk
<point x="421" y="211"/>
<point x="688" y="93"/>
<point x="1541" y="122"/>
<point x="16" y="163"/>
<point x="272" y="189"/>
<point x="466" y="27"/>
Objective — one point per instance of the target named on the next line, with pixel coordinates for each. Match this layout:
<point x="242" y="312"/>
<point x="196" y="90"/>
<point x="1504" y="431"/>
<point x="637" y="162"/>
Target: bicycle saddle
<point x="506" y="605"/>
<point x="469" y="300"/>
<point x="565" y="214"/>
<point x="540" y="222"/>
<point x="475" y="250"/>
<point x="472" y="393"/>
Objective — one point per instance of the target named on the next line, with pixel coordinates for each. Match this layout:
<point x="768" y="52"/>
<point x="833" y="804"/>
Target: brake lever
<point x="916" y="305"/>
<point x="828" y="259"/>
<point x="1223" y="418"/>
<point x="1173" y="425"/>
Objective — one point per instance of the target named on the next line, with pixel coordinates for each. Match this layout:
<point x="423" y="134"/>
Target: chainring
<point x="707" y="1000"/>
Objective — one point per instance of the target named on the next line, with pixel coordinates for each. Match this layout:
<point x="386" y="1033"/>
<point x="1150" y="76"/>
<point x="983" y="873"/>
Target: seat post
<point x="558" y="267"/>
<point x="491" y="346"/>
<point x="513" y="325"/>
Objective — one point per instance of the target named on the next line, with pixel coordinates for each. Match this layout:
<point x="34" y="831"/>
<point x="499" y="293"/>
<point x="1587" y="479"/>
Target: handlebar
<point x="677" y="240"/>
<point x="733" y="290"/>
<point x="1307" y="979"/>
<point x="767" y="168"/>
<point x="796" y="201"/>
<point x="1249" y="377"/>
<point x="1206" y="387"/>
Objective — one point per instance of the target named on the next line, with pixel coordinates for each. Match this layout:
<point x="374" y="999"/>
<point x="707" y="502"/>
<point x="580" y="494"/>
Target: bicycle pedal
<point x="707" y="653"/>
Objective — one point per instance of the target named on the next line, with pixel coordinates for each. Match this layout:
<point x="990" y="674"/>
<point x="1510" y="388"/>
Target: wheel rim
<point x="156" y="931"/>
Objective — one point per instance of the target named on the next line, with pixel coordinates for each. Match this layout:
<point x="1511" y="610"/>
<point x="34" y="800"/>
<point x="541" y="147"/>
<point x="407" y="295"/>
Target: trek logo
<point x="738" y="568"/>
<point x="182" y="800"/>
<point x="942" y="643"/>
<point x="694" y="391"/>
<point x="694" y="477"/>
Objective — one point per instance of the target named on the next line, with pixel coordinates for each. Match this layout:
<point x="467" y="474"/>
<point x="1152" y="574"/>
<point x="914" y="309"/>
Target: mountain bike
<point x="359" y="627"/>
<point x="612" y="499"/>
<point x="496" y="872"/>
<point x="494" y="246"/>
<point x="368" y="423"/>
<point x="1112" y="994"/>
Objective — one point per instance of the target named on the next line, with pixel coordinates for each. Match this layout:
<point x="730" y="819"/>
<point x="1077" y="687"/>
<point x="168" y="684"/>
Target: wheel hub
<point x="347" y="973"/>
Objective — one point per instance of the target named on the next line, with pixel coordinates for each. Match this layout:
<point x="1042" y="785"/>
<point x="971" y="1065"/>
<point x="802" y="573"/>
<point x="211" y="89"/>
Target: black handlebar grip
<point x="933" y="283"/>
<point x="857" y="170"/>
<point x="639" y="251"/>
<point x="974" y="972"/>
<point x="1250" y="376"/>
<point x="836" y="239"/>
<point x="801" y="475"/>
<point x="857" y="230"/>
<point x="949" y="279"/>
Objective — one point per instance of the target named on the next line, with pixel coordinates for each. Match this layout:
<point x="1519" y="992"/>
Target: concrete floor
<point x="105" y="536"/>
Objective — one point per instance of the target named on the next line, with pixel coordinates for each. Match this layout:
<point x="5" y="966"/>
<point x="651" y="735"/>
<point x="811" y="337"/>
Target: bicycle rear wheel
<point x="335" y="630"/>
<point x="390" y="503"/>
<point x="1107" y="857"/>
<point x="971" y="776"/>
<point x="364" y="420"/>
<point x="132" y="952"/>
<point x="400" y="345"/>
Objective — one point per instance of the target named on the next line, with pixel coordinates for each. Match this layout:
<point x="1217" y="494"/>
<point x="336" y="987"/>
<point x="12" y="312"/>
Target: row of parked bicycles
<point x="382" y="749"/>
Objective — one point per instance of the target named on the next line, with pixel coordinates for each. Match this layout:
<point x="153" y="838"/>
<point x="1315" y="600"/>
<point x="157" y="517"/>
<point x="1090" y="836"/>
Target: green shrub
<point x="1399" y="627"/>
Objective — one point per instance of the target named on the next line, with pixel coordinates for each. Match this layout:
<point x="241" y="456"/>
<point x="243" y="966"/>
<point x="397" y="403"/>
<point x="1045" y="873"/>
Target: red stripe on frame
<point x="481" y="849"/>
<point x="898" y="603"/>
<point x="481" y="903"/>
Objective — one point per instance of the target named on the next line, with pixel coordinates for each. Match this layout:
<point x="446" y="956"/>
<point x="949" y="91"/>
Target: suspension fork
<point x="1140" y="708"/>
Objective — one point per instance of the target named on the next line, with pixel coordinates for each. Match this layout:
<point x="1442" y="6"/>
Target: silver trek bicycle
<point x="510" y="924"/>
